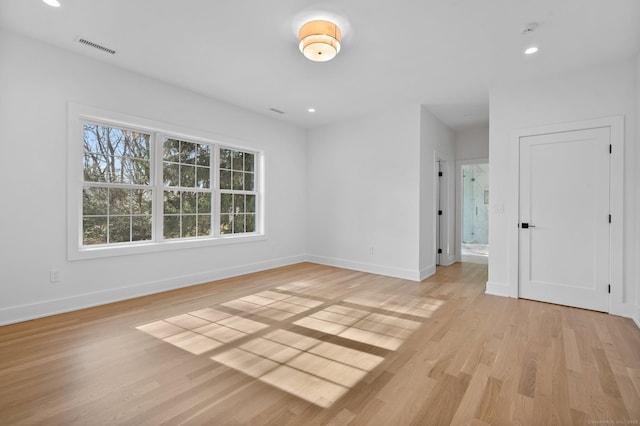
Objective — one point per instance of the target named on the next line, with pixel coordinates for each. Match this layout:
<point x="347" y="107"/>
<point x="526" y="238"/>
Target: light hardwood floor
<point x="310" y="344"/>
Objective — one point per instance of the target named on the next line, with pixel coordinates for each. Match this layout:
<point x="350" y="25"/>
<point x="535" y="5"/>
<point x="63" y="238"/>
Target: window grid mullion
<point x="130" y="199"/>
<point x="108" y="215"/>
<point x="158" y="205"/>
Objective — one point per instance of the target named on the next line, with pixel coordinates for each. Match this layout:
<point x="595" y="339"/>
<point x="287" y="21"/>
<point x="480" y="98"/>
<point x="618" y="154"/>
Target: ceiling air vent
<point x="96" y="46"/>
<point x="276" y="110"/>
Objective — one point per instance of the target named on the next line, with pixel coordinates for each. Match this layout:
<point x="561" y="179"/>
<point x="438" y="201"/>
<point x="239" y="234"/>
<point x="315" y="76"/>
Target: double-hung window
<point x="186" y="190"/>
<point x="117" y="191"/>
<point x="146" y="190"/>
<point x="237" y="192"/>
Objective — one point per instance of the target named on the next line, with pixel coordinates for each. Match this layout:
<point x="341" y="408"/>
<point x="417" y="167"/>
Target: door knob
<point x="526" y="225"/>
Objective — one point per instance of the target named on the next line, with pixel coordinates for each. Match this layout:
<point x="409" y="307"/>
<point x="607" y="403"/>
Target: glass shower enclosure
<point x="475" y="212"/>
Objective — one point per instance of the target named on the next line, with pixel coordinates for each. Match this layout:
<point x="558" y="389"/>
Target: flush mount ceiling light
<point x="53" y="3"/>
<point x="319" y="40"/>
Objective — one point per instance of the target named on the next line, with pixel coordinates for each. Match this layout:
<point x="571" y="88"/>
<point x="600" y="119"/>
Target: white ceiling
<point x="444" y="54"/>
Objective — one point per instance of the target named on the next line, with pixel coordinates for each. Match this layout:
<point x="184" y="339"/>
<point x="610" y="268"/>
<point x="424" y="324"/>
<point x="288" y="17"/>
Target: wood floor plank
<point x="443" y="401"/>
<point x="571" y="350"/>
<point x="469" y="405"/>
<point x="309" y="344"/>
<point x="494" y="407"/>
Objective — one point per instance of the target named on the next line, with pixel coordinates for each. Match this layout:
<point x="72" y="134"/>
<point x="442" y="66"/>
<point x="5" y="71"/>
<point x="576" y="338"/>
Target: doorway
<point x="474" y="212"/>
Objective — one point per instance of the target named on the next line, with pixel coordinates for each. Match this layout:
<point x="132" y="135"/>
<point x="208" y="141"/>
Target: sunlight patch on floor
<point x="421" y="306"/>
<point x="380" y="330"/>
<point x="312" y="369"/>
<point x="193" y="333"/>
<point x="316" y="371"/>
<point x="274" y="305"/>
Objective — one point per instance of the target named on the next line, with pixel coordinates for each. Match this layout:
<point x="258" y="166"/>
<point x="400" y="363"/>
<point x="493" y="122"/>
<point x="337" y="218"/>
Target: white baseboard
<point x="621" y="309"/>
<point x="27" y="312"/>
<point x="636" y="317"/>
<point x="427" y="272"/>
<point x="496" y="289"/>
<point x="470" y="258"/>
<point x="448" y="261"/>
<point x="406" y="274"/>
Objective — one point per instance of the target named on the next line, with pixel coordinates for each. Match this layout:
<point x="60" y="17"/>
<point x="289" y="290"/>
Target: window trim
<point x="79" y="114"/>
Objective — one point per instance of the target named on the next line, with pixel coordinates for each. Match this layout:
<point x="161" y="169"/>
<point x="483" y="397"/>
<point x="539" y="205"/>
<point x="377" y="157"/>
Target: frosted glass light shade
<point x="319" y="40"/>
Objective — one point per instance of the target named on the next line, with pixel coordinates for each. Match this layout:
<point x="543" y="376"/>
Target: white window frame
<point x="234" y="192"/>
<point x="158" y="209"/>
<point x="79" y="114"/>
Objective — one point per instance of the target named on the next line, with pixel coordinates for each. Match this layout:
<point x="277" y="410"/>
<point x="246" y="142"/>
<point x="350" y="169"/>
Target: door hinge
<point x="609" y="288"/>
<point x="609" y="218"/>
<point x="610" y="149"/>
<point x="439" y="251"/>
<point x="439" y="212"/>
<point x="439" y="173"/>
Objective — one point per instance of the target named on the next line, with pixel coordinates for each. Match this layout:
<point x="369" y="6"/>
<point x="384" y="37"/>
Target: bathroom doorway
<point x="474" y="226"/>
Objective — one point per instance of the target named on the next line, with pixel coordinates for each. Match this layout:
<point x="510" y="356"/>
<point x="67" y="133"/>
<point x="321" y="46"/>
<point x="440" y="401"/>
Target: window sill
<point x="77" y="253"/>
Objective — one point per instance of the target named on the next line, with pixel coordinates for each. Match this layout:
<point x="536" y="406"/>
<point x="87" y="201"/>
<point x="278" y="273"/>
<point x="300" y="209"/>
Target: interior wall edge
<point x="26" y="312"/>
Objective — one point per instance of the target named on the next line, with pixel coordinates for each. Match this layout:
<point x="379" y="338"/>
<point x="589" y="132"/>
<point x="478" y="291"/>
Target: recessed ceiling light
<point x="311" y="110"/>
<point x="54" y="3"/>
<point x="530" y="50"/>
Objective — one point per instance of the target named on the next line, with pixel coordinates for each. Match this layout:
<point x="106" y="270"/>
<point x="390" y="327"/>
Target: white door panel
<point x="564" y="197"/>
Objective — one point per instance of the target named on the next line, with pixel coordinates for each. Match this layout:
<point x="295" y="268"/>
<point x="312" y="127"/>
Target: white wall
<point x="372" y="194"/>
<point x="436" y="143"/>
<point x="363" y="194"/>
<point x="598" y="92"/>
<point x="472" y="142"/>
<point x="36" y="83"/>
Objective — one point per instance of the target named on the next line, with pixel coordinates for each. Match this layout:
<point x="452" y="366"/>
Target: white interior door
<point x="564" y="218"/>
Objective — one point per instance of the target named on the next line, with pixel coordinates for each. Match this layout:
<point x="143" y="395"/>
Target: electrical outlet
<point x="54" y="276"/>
